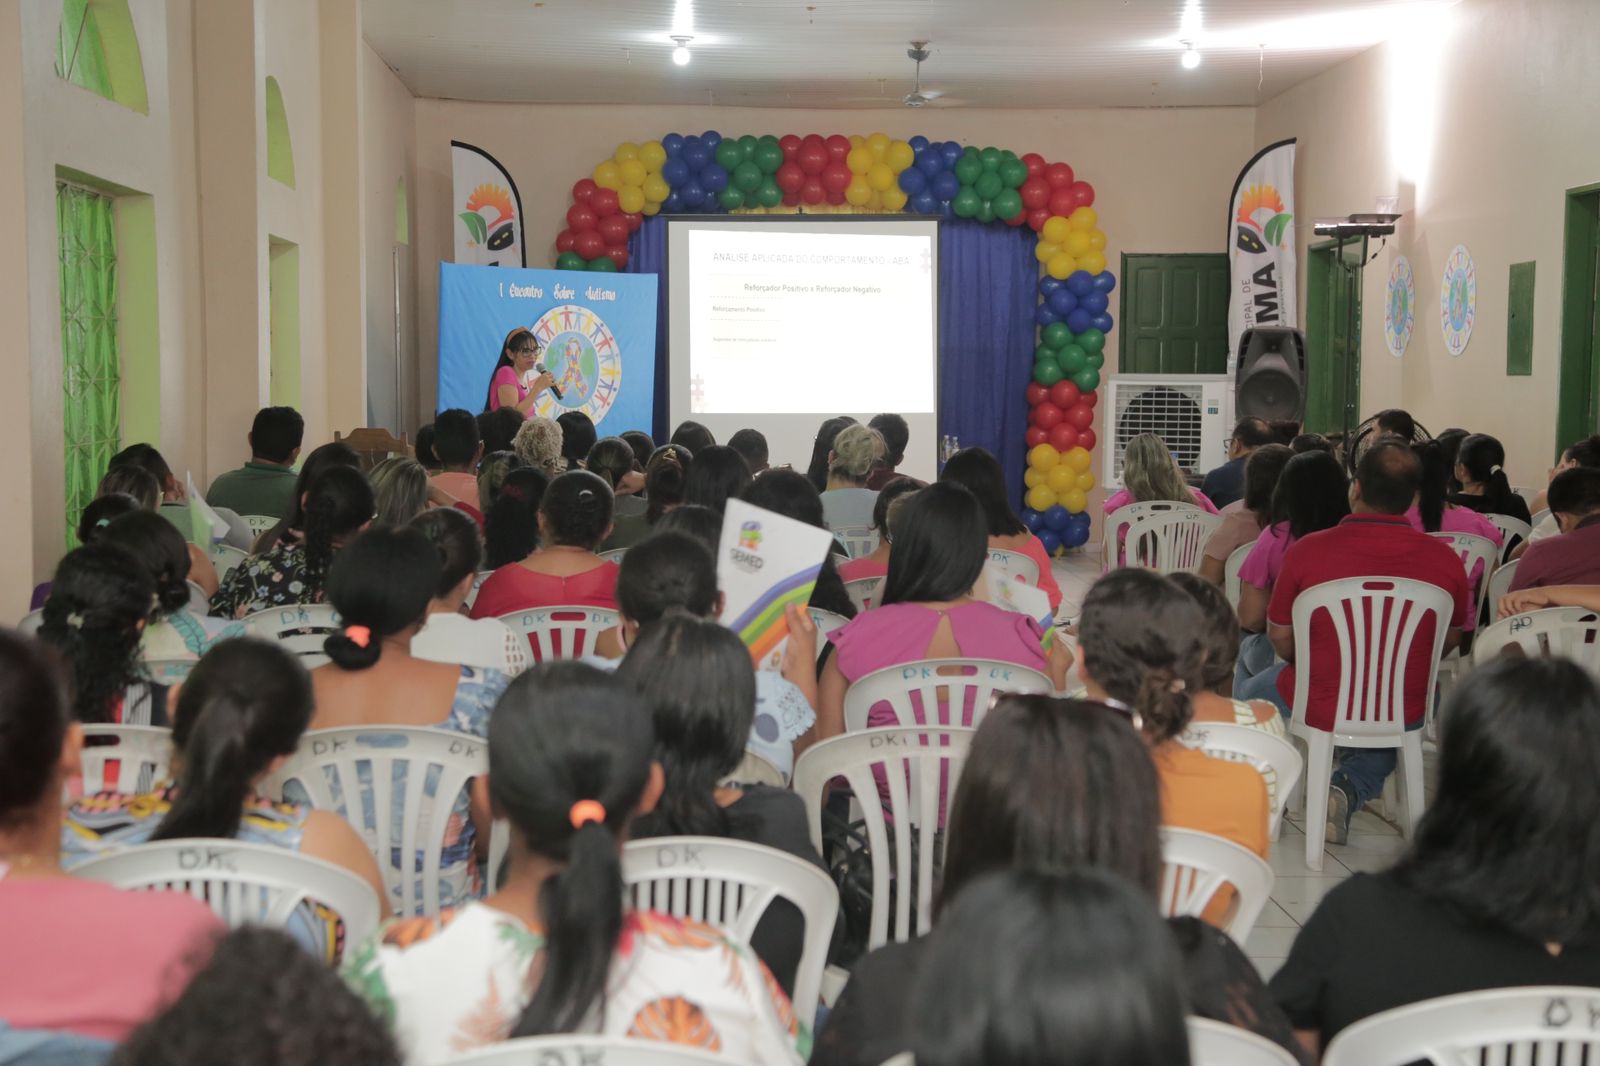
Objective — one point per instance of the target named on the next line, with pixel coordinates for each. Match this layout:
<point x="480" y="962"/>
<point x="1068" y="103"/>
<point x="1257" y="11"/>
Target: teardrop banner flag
<point x="1261" y="246"/>
<point x="488" y="210"/>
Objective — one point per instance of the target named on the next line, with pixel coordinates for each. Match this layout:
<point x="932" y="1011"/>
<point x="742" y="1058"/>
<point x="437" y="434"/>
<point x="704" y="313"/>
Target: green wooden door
<point x="1174" y="314"/>
<point x="1333" y="282"/>
<point x="1578" y="404"/>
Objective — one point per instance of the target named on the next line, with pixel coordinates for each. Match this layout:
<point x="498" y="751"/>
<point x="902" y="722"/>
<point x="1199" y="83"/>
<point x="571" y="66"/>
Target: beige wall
<point x="388" y="132"/>
<point x="1479" y="124"/>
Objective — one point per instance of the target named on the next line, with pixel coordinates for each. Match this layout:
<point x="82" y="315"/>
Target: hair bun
<point x="348" y="654"/>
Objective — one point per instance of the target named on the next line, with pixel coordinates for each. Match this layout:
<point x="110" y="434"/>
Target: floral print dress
<point x="276" y="579"/>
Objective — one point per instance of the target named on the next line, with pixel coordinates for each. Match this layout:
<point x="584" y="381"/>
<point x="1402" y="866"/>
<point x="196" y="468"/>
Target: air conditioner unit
<point x="1191" y="413"/>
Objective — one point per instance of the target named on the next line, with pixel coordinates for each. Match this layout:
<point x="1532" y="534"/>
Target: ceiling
<point x="851" y="53"/>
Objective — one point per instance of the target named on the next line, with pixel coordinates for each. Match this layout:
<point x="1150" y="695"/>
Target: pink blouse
<point x="516" y="588"/>
<point x="1262" y="565"/>
<point x="1122" y="497"/>
<point x="1463" y="520"/>
<point x="505" y="376"/>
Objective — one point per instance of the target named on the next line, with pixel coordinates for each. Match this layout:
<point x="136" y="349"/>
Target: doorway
<point x="1578" y="402"/>
<point x="1333" y="348"/>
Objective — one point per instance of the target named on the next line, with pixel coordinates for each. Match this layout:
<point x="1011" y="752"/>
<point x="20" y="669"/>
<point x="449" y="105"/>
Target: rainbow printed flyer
<point x="764" y="563"/>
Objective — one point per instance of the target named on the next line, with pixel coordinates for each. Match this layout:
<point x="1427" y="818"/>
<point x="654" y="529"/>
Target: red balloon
<point x="603" y="202"/>
<point x="812" y="191"/>
<point x="1082" y="193"/>
<point x="1035" y="164"/>
<point x="1037" y="436"/>
<point x="1090" y="398"/>
<point x="1086" y="439"/>
<point x="1017" y="219"/>
<point x="580" y="217"/>
<point x="619" y="256"/>
<point x="1059" y="175"/>
<point x="813" y="157"/>
<point x="814" y="140"/>
<point x="1046" y="415"/>
<point x="635" y="220"/>
<point x="583" y="190"/>
<point x="589" y="244"/>
<point x="836" y="177"/>
<point x="790" y="177"/>
<point x="836" y="197"/>
<point x="1037" y="218"/>
<point x="1064" y="394"/>
<point x="1037" y="393"/>
<point x="838" y="147"/>
<point x="1035" y="193"/>
<point x="564" y="241"/>
<point x="1064" y="437"/>
<point x="1062" y="203"/>
<point x="1081" y="416"/>
<point x="790" y="145"/>
<point x="792" y="199"/>
<point x="613" y="229"/>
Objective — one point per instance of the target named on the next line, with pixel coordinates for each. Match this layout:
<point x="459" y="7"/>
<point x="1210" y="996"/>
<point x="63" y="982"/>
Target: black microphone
<point x="540" y="368"/>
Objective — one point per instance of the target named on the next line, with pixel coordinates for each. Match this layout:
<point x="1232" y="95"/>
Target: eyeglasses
<point x="525" y="351"/>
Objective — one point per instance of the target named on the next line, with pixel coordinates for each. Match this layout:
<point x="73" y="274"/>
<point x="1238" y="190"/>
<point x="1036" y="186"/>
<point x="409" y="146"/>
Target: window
<point x="98" y="50"/>
<point x="91" y="368"/>
<point x="280" y="149"/>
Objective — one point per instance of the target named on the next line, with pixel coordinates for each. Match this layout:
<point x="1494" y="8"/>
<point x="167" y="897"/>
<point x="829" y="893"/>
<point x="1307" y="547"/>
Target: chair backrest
<point x="1479" y="555"/>
<point x="863" y="592"/>
<point x="562" y="632"/>
<point x="1015" y="566"/>
<point x="614" y="555"/>
<point x="386" y="770"/>
<point x="244" y="884"/>
<point x="1170" y="542"/>
<point x="168" y="671"/>
<point x="1196" y="866"/>
<point x="826" y="622"/>
<point x="199" y="602"/>
<point x="374" y="444"/>
<point x="1499" y="585"/>
<point x="730" y="884"/>
<point x="1118" y="521"/>
<point x="755" y="769"/>
<point x="1374" y="620"/>
<point x="477" y="583"/>
<point x="913" y="764"/>
<point x="258" y="523"/>
<point x="30" y="622"/>
<point x="1513" y="531"/>
<point x="299" y="629"/>
<point x="1216" y="1044"/>
<point x="225" y="557"/>
<point x="587" y="1051"/>
<point x="1537" y="1026"/>
<point x="857" y="540"/>
<point x="913" y="691"/>
<point x="1570" y="632"/>
<point x="1232" y="587"/>
<point x="1539" y="516"/>
<point x="130" y="759"/>
<point x="1278" y="761"/>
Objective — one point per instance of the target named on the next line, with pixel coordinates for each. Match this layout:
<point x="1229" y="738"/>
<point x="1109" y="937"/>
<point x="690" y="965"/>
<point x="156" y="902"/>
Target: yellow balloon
<point x="879" y="143"/>
<point x="652" y="155"/>
<point x="633" y="173"/>
<point x="1061" y="480"/>
<point x="1097" y="240"/>
<point x="858" y="191"/>
<point x="1040" y="498"/>
<point x="1083" y="218"/>
<point x="1085" y="481"/>
<point x="857" y="141"/>
<point x="1093" y="262"/>
<point x="656" y="189"/>
<point x="1055" y="229"/>
<point x="1078" y="459"/>
<point x="631" y="199"/>
<point x="1032" y="477"/>
<point x="894" y="199"/>
<point x="1077" y="244"/>
<point x="1074" y="500"/>
<point x="625" y="151"/>
<point x="1043" y="457"/>
<point x="900" y="155"/>
<point x="651" y="207"/>
<point x="608" y="175"/>
<point x="859" y="160"/>
<point x="880" y="177"/>
<point x="1045" y="251"/>
<point x="1061" y="266"/>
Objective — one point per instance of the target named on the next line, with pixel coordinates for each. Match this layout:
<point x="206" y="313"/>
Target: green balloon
<point x="1087" y="380"/>
<point x="988" y="185"/>
<point x="769" y="195"/>
<point x="990" y="157"/>
<point x="729" y="154"/>
<point x="967" y="203"/>
<point x="570" y="261"/>
<point x="1091" y="340"/>
<point x="968" y="169"/>
<point x="1047" y="372"/>
<point x="1056" y="335"/>
<point x="1043" y="352"/>
<point x="1014" y="172"/>
<point x="731" y="198"/>
<point x="1008" y="204"/>
<point x="985" y="211"/>
<point x="769" y="138"/>
<point x="747" y="145"/>
<point x="768" y="157"/>
<point x="1008" y="156"/>
<point x="603" y="265"/>
<point x="969" y="152"/>
<point x="1097" y="360"/>
<point x="1072" y="359"/>
<point x="746" y="177"/>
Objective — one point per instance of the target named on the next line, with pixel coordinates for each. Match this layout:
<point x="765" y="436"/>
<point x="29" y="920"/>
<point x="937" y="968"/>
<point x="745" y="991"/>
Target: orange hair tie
<point x="586" y="811"/>
<point x="360" y="636"/>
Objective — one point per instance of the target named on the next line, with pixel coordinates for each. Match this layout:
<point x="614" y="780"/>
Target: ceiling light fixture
<point x="680" y="54"/>
<point x="1191" y="55"/>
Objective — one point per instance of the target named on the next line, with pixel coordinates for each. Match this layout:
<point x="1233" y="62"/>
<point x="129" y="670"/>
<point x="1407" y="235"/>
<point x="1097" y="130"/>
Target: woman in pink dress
<point x="518" y="355"/>
<point x="975" y="470"/>
<point x="574" y="517"/>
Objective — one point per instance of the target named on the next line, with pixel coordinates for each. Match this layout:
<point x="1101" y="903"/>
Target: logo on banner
<point x="1261" y="245"/>
<point x="1263" y="221"/>
<point x="744" y="555"/>
<point x="1458" y="300"/>
<point x="583" y="356"/>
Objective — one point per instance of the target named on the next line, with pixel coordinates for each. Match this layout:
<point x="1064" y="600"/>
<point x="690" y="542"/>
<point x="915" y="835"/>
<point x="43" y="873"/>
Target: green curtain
<point x="90" y="372"/>
<point x="80" y="54"/>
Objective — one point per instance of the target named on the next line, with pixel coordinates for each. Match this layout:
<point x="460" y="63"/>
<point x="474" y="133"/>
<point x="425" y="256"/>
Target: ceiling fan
<point x="917" y="97"/>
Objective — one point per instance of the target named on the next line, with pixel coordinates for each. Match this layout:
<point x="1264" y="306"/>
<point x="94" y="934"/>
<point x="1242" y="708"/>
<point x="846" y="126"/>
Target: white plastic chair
<point x="1538" y="1026"/>
<point x="477" y="583"/>
<point x="1570" y="632"/>
<point x="168" y="671"/>
<point x="331" y="759"/>
<point x="1216" y="1044"/>
<point x="587" y="1051"/>
<point x="258" y="523"/>
<point x="1170" y="542"/>
<point x="1015" y="566"/>
<point x="568" y="632"/>
<point x="1232" y="586"/>
<point x="244" y="884"/>
<point x="225" y="557"/>
<point x="857" y="540"/>
<point x="1479" y="555"/>
<point x="199" y="602"/>
<point x="614" y="555"/>
<point x="1513" y="531"/>
<point x="1499" y="584"/>
<point x="1279" y="764"/>
<point x="730" y="884"/>
<point x="29" y="624"/>
<point x="135" y="763"/>
<point x="1118" y="521"/>
<point x="1539" y="516"/>
<point x="300" y="630"/>
<point x="915" y="688"/>
<point x="754" y="769"/>
<point x="1375" y="621"/>
<point x="1196" y="866"/>
<point x="863" y="592"/>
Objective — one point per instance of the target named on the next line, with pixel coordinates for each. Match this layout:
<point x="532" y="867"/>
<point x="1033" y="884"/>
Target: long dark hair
<point x="1510" y="838"/>
<point x="664" y="571"/>
<point x="98" y="599"/>
<point x="693" y="436"/>
<point x="665" y="477"/>
<point x="564" y="733"/>
<point x="577" y="509"/>
<point x="941" y="549"/>
<point x="322" y="458"/>
<point x="33" y="725"/>
<point x="101" y="511"/>
<point x="717" y="475"/>
<point x="455" y="537"/>
<point x="338" y="504"/>
<point x="247" y="702"/>
<point x="1262" y="470"/>
<point x="1140" y="637"/>
<point x="514" y="338"/>
<point x="977" y="471"/>
<point x="133" y="481"/>
<point x="382" y="581"/>
<point x="577" y="437"/>
<point x="1435" y="483"/>
<point x="1028" y="966"/>
<point x="511" y="530"/>
<point x="696" y="676"/>
<point x="161" y="550"/>
<point x="1055" y="784"/>
<point x="817" y="470"/>
<point x="611" y="458"/>
<point x="792" y="495"/>
<point x="1483" y="457"/>
<point x="1313" y="494"/>
<point x="1219" y="636"/>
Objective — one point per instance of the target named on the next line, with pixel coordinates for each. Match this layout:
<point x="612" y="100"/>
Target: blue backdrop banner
<point x="598" y="332"/>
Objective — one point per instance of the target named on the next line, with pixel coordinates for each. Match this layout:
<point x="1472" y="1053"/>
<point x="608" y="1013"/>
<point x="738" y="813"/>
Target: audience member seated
<point x="1310" y="442"/>
<point x="400" y="491"/>
<point x="577" y="437"/>
<point x="822" y="450"/>
<point x="264" y="485"/>
<point x="701" y="523"/>
<point x="928" y="610"/>
<point x="975" y="470"/>
<point x="85" y="962"/>
<point x="291" y="528"/>
<point x="1498" y="887"/>
<point x="92" y="525"/>
<point x="174" y="503"/>
<point x="1219" y="640"/>
<point x="240" y="712"/>
<point x="1573" y="558"/>
<point x="695" y="676"/>
<point x="338" y="505"/>
<point x="1396" y="423"/>
<point x="717" y="475"/>
<point x="612" y="459"/>
<point x="1484" y="486"/>
<point x="173" y="632"/>
<point x="492" y="471"/>
<point x="896" y="437"/>
<point x="1584" y="453"/>
<point x="574" y="518"/>
<point x="1049" y="784"/>
<point x="1141" y="649"/>
<point x="458" y="446"/>
<point x="511" y="531"/>
<point x="1433" y="513"/>
<point x="1149" y="473"/>
<point x="665" y="478"/>
<point x="140" y="485"/>
<point x="515" y="383"/>
<point x="422" y="448"/>
<point x="382" y="586"/>
<point x="847" y="502"/>
<point x="498" y="428"/>
<point x="1449" y="442"/>
<point x="1284" y="430"/>
<point x="884" y="515"/>
<point x="100" y="602"/>
<point x="1245" y="518"/>
<point x="789" y="493"/>
<point x="693" y="436"/>
<point x="554" y="950"/>
<point x="643" y="447"/>
<point x="751" y="444"/>
<point x="1225" y="484"/>
<point x="1374" y="541"/>
<point x="449" y="636"/>
<point x="262" y="1001"/>
<point x="538" y="443"/>
<point x="1525" y="600"/>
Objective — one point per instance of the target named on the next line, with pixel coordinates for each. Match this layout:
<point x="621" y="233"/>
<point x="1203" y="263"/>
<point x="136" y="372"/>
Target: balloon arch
<point x="713" y="174"/>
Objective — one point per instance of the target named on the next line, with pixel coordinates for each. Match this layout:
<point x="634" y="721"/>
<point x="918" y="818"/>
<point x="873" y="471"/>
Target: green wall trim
<point x="138" y="318"/>
<point x="402" y="214"/>
<point x="280" y="148"/>
<point x="1576" y="414"/>
<point x="1519" y="321"/>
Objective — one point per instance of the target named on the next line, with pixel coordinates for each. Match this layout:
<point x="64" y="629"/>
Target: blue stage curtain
<point x="988" y="281"/>
<point x="647" y="254"/>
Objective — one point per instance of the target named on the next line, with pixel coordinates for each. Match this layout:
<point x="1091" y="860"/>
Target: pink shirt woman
<point x="1122" y="497"/>
<point x="518" y="356"/>
<point x="1463" y="520"/>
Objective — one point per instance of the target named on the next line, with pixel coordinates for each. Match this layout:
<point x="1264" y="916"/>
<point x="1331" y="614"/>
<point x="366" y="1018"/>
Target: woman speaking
<point x="518" y="356"/>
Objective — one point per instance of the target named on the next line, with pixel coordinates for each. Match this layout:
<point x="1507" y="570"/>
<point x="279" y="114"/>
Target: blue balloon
<point x="1048" y="285"/>
<point x="714" y="178"/>
<point x="1081" y="282"/>
<point x="919" y="144"/>
<point x="924" y="203"/>
<point x="951" y="152"/>
<point x="711" y="138"/>
<point x="1044" y="316"/>
<point x="674" y="172"/>
<point x="1062" y="302"/>
<point x="912" y="181"/>
<point x="1102" y="322"/>
<point x="1081" y="519"/>
<point x="1050" y="539"/>
<point x="672" y="143"/>
<point x="1033" y="520"/>
<point x="1077" y="322"/>
<point x="1058" y="519"/>
<point x="694" y="194"/>
<point x="1095" y="303"/>
<point x="673" y="204"/>
<point x="1104" y="281"/>
<point x="930" y="163"/>
<point x="697" y="156"/>
<point x="945" y="186"/>
<point x="947" y="210"/>
<point x="1075" y="537"/>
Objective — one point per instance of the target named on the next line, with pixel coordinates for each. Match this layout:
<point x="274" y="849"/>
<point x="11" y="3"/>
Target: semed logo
<point x="744" y="554"/>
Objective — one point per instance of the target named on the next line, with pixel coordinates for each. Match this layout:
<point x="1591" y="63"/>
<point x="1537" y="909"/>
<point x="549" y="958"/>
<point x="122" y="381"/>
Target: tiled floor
<point x="1374" y="843"/>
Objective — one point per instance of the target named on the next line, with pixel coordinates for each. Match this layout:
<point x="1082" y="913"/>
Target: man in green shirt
<point x="264" y="485"/>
